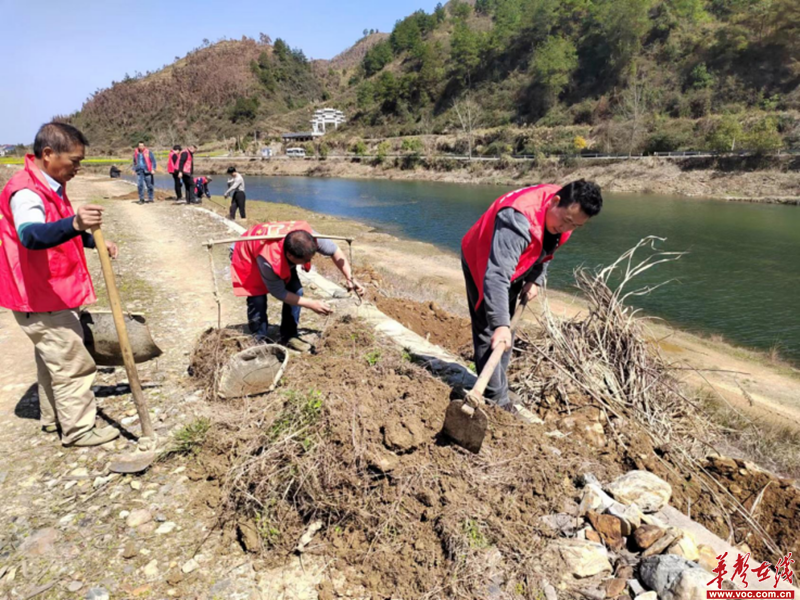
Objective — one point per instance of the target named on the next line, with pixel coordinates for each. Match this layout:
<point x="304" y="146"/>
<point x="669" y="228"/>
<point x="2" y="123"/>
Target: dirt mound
<point x="352" y="440"/>
<point x="430" y="321"/>
<point x="159" y="195"/>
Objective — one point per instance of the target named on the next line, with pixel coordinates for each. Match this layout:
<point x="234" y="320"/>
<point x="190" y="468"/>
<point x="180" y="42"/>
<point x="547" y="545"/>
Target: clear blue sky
<point x="56" y="54"/>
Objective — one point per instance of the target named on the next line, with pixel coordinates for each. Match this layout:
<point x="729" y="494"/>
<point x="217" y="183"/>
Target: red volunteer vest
<point x="172" y="161"/>
<point x="245" y="275"/>
<point x="40" y="280"/>
<point x="187" y="167"/>
<point x="147" y="160"/>
<point x="476" y="245"/>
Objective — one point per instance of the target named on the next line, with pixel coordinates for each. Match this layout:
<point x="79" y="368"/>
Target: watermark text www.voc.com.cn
<point x="750" y="594"/>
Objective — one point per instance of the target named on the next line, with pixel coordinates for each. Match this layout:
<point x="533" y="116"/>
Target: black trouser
<point x="257" y="320"/>
<point x="188" y="184"/>
<point x="237" y="202"/>
<point x="177" y="178"/>
<point x="497" y="389"/>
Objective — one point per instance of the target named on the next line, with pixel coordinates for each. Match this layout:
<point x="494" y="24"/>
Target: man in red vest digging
<point x="263" y="266"/>
<point x="505" y="255"/>
<point x="44" y="280"/>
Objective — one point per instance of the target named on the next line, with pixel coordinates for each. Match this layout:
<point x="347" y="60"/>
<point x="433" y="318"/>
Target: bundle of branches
<point x="607" y="357"/>
<point x="213" y="349"/>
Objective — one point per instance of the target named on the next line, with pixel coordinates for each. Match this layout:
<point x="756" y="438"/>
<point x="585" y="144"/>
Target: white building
<point x="326" y="116"/>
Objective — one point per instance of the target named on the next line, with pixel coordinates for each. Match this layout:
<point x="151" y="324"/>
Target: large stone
<point x="138" y="517"/>
<point x="151" y="569"/>
<point x="707" y="558"/>
<point x="685" y="548"/>
<point x="39" y="543"/>
<point x="646" y="535"/>
<point x="594" y="498"/>
<point x="615" y="587"/>
<point x="647" y="596"/>
<point x="584" y="558"/>
<point x="674" y="578"/>
<point x="648" y="492"/>
<point x="663" y="543"/>
<point x="630" y="516"/>
<point x="609" y="528"/>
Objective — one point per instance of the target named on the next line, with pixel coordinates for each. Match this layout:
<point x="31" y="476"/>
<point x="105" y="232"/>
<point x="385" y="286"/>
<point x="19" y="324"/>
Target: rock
<point x="123" y="514"/>
<point x="624" y="572"/>
<point x="97" y="593"/>
<point x="99" y="482"/>
<point x="593" y="536"/>
<point x="146" y="529"/>
<point x="560" y="523"/>
<point x="189" y="566"/>
<point x="138" y="517"/>
<point x="382" y="460"/>
<point x="648" y="492"/>
<point x="39" y="543"/>
<point x="160" y="518"/>
<point x="630" y="516"/>
<point x="248" y="536"/>
<point x="151" y="569"/>
<point x="136" y="485"/>
<point x="129" y="551"/>
<point x="646" y="535"/>
<point x="80" y="473"/>
<point x="594" y="498"/>
<point x="707" y="558"/>
<point x="674" y="578"/>
<point x="663" y="543"/>
<point x="635" y="587"/>
<point x="69" y="484"/>
<point x="647" y="596"/>
<point x="609" y="528"/>
<point x="74" y="586"/>
<point x="166" y="528"/>
<point x="174" y="577"/>
<point x="584" y="558"/>
<point x="615" y="587"/>
<point x="685" y="548"/>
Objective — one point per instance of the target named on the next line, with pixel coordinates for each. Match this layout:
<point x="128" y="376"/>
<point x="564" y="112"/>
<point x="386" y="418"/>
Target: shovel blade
<point x="464" y="429"/>
<point x="134" y="462"/>
<point x="100" y="338"/>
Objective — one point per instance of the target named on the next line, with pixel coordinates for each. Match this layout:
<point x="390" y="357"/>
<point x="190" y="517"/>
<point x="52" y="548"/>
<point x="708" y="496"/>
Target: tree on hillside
<point x="469" y="116"/>
<point x="623" y="24"/>
<point x="376" y="58"/>
<point x="465" y="51"/>
<point x="552" y="66"/>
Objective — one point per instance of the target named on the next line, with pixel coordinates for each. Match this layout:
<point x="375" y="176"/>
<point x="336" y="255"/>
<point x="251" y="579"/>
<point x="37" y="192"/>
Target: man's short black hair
<point x="300" y="244"/>
<point x="140" y="142"/>
<point x="585" y="192"/>
<point x="231" y="170"/>
<point x="61" y="137"/>
<point x="177" y="147"/>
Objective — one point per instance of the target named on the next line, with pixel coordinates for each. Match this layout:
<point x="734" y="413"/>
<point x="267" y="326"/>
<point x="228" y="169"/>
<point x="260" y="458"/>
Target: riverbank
<point x="774" y="180"/>
<point x="777" y="182"/>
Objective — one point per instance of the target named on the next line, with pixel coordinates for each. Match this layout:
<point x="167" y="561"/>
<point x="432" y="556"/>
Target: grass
<point x="300" y="411"/>
<point x="373" y="357"/>
<point x="187" y="440"/>
<point x="475" y="536"/>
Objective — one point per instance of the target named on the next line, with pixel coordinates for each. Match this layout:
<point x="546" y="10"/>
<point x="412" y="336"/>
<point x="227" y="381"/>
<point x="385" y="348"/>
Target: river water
<point x="740" y="277"/>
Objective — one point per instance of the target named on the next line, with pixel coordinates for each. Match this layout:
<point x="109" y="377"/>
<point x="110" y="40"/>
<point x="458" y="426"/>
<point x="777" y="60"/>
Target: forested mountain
<point x="634" y="74"/>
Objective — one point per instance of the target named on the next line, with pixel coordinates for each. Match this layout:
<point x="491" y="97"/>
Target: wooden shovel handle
<point x="497" y="354"/>
<point x="122" y="334"/>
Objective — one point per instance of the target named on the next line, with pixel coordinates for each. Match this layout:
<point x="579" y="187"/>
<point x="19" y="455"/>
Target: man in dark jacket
<point x="201" y="187"/>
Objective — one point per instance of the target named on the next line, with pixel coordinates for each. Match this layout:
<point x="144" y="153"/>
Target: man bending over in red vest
<point x="263" y="266"/>
<point x="44" y="280"/>
<point x="505" y="255"/>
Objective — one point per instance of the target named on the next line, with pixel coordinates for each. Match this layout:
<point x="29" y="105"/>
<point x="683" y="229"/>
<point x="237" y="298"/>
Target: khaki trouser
<point x="66" y="371"/>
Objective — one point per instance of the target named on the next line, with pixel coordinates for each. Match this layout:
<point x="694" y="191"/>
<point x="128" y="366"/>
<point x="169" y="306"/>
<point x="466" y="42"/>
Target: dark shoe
<point x="140" y="202"/>
<point x="50" y="428"/>
<point x="96" y="437"/>
<point x="516" y="408"/>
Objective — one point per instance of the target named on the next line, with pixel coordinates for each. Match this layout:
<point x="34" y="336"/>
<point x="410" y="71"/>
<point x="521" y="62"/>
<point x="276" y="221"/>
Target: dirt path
<point x="66" y="522"/>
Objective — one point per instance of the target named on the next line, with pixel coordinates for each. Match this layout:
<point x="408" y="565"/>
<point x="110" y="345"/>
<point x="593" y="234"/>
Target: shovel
<point x="465" y="421"/>
<point x="137" y="461"/>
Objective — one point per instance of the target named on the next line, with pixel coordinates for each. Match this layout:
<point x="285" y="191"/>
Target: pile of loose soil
<point x="352" y="439"/>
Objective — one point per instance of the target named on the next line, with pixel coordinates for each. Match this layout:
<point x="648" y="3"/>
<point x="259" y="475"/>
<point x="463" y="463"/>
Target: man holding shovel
<point x="262" y="266"/>
<point x="44" y="280"/>
<point x="504" y="256"/>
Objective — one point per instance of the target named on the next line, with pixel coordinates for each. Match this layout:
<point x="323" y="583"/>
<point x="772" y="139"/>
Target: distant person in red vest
<point x="263" y="266"/>
<point x="505" y="255"/>
<point x="201" y="187"/>
<point x="44" y="280"/>
<point x="144" y="165"/>
<point x="172" y="169"/>
<point x="185" y="170"/>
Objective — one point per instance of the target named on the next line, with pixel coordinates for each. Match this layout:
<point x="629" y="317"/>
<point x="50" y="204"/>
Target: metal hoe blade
<point x="133" y="462"/>
<point x="465" y="429"/>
